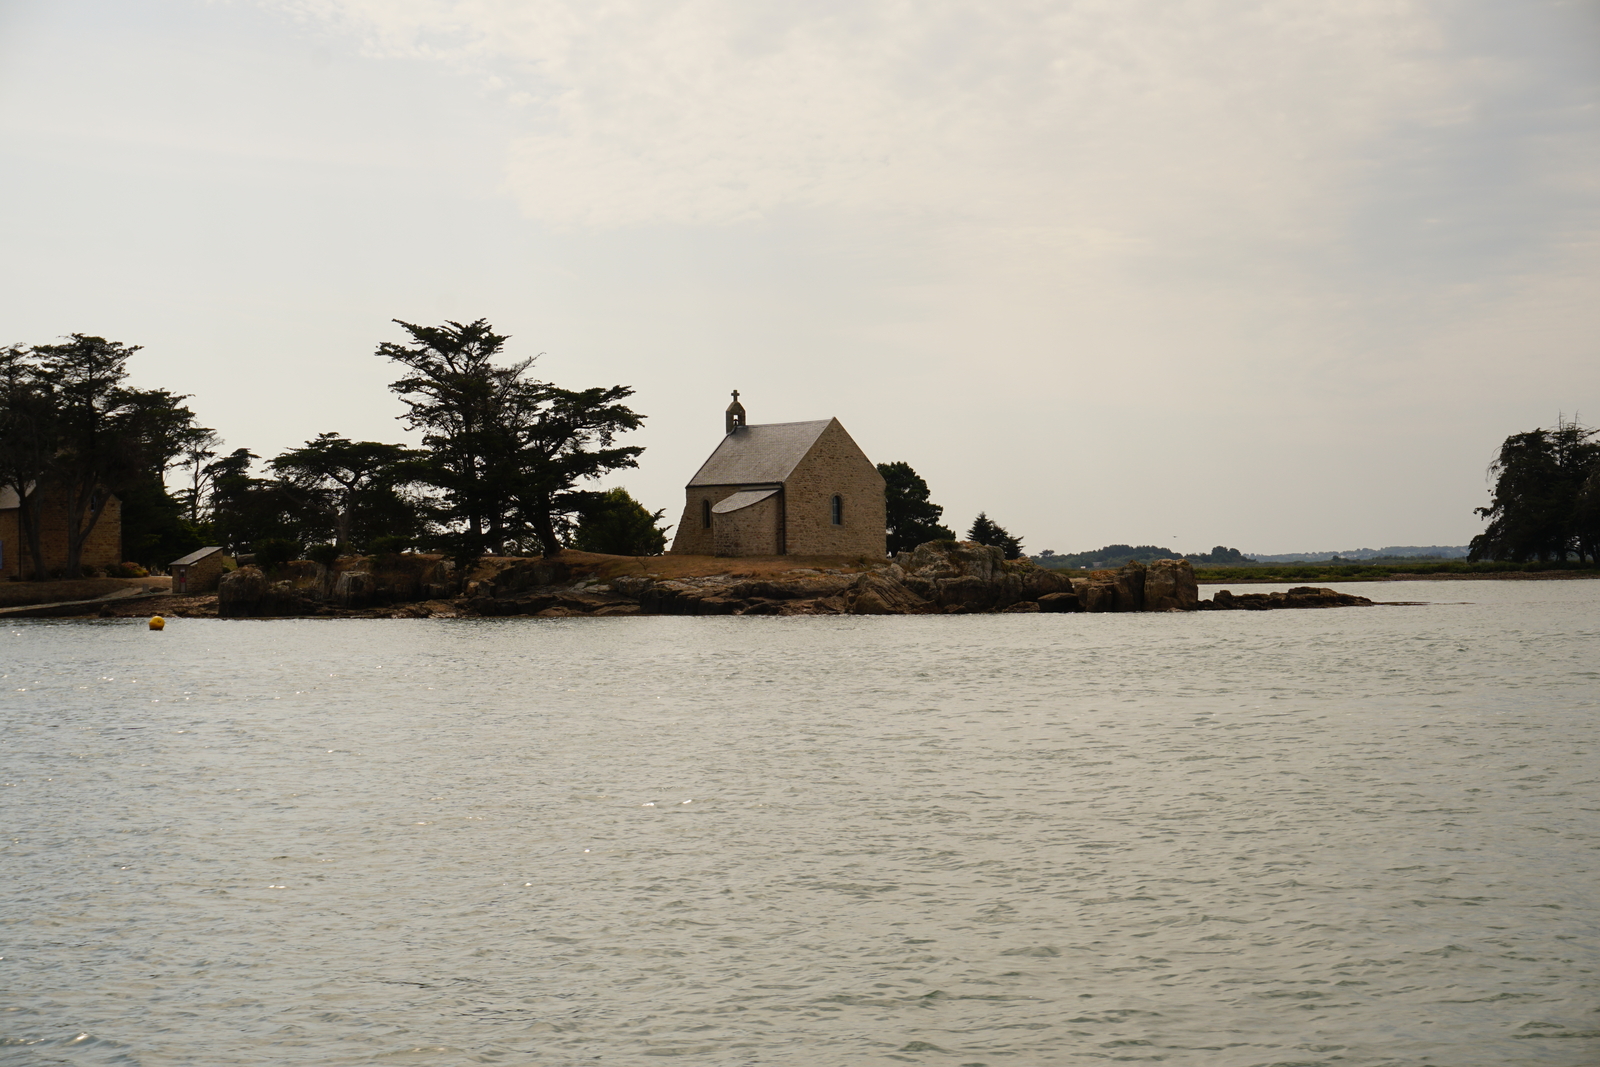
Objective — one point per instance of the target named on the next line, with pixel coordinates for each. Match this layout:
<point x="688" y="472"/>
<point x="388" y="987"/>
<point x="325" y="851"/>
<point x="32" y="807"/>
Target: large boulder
<point x="1096" y="594"/>
<point x="966" y="591"/>
<point x="1040" y="582"/>
<point x="1129" y="579"/>
<point x="248" y="592"/>
<point x="876" y="594"/>
<point x="1169" y="585"/>
<point x="952" y="559"/>
<point x="241" y="592"/>
<point x="795" y="586"/>
<point x="967" y="576"/>
<point x="521" y="575"/>
<point x="355" y="589"/>
<point x="439" y="580"/>
<point x="1067" y="601"/>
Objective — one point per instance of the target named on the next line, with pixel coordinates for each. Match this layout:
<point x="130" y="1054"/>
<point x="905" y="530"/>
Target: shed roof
<point x="741" y="500"/>
<point x="196" y="556"/>
<point x="760" y="455"/>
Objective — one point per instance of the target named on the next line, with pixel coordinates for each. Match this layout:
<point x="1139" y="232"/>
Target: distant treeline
<point x="1116" y="555"/>
<point x="1544" y="509"/>
<point x="1369" y="571"/>
<point x="1220" y="556"/>
<point x="1392" y="552"/>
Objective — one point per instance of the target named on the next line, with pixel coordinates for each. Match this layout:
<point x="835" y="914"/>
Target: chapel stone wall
<point x="102" y="548"/>
<point x="750" y="531"/>
<point x="835" y="465"/>
<point x="694" y="538"/>
<point x="10" y="544"/>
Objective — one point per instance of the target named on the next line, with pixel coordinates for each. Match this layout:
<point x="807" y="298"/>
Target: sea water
<point x="1359" y="836"/>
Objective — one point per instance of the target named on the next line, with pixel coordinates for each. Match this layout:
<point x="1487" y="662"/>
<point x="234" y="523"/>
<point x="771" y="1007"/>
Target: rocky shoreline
<point x="941" y="577"/>
<point x="948" y="578"/>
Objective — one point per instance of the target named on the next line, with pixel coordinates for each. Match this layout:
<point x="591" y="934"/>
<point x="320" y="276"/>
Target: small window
<point x="838" y="510"/>
<point x="705" y="514"/>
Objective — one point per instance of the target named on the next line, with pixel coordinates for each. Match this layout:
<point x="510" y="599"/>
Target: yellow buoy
<point x="157" y="622"/>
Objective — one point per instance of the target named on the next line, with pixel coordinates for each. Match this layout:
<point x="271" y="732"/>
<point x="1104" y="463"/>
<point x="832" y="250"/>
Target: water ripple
<point x="1362" y="837"/>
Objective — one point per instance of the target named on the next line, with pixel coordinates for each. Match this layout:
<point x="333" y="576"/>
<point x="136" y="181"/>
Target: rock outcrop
<point x="940" y="577"/>
<point x="249" y="593"/>
<point x="1169" y="585"/>
<point x="1303" y="596"/>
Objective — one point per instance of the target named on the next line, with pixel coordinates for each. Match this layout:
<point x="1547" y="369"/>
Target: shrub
<point x="324" y="554"/>
<point x="273" y="552"/>
<point x="616" y="524"/>
<point x="388" y="544"/>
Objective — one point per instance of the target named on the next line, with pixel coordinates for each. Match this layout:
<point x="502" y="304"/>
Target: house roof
<point x="759" y="455"/>
<point x="741" y="499"/>
<point x="196" y="556"/>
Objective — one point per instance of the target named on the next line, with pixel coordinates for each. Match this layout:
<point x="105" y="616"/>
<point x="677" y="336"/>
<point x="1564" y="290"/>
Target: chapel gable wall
<point x="835" y="465"/>
<point x="694" y="538"/>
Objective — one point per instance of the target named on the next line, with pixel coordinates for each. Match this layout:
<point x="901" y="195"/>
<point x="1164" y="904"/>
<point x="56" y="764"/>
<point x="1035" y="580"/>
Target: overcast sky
<point x="1185" y="272"/>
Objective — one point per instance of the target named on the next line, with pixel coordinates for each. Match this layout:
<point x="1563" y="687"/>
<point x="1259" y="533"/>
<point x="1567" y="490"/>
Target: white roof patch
<point x="741" y="500"/>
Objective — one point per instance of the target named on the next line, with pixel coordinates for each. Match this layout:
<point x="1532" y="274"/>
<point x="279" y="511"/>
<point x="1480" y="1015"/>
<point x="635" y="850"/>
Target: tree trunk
<point x="545" y="527"/>
<point x="84" y="510"/>
<point x="342" y="520"/>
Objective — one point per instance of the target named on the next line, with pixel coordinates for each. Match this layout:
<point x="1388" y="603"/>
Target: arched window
<point x="705" y="514"/>
<point x="838" y="510"/>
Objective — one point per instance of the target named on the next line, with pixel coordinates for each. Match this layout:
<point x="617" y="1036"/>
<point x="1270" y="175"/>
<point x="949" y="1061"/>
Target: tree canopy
<point x="986" y="531"/>
<point x="616" y="524"/>
<point x="73" y="434"/>
<point x="911" y="517"/>
<point x="352" y="483"/>
<point x="1545" y="503"/>
<point x="504" y="452"/>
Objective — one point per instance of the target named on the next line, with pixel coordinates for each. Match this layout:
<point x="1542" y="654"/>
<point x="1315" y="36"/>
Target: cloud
<point x="1201" y="136"/>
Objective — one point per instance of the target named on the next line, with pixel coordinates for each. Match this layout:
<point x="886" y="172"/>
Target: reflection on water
<point x="1359" y="836"/>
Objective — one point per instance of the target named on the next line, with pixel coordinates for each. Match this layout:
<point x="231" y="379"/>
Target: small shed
<point x="198" y="572"/>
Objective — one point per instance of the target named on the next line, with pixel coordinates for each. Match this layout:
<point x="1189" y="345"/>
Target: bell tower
<point x="734" y="420"/>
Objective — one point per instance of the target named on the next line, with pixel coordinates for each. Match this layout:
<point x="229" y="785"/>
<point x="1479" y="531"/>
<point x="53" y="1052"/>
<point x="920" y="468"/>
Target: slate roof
<point x="760" y="455"/>
<point x="195" y="557"/>
<point x="742" y="499"/>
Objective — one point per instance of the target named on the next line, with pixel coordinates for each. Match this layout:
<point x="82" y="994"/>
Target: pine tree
<point x="506" y="450"/>
<point x="911" y="518"/>
<point x="986" y="531"/>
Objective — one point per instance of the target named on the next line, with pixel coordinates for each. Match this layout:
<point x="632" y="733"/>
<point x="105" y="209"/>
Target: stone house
<point x="102" y="549"/>
<point x="783" y="488"/>
<point x="198" y="572"/>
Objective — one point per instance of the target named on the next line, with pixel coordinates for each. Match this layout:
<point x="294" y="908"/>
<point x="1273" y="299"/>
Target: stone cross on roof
<point x="734" y="419"/>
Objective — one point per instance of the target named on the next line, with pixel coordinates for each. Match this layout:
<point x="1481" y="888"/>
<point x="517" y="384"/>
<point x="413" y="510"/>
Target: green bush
<point x="618" y="525"/>
<point x="388" y="545"/>
<point x="324" y="554"/>
<point x="274" y="552"/>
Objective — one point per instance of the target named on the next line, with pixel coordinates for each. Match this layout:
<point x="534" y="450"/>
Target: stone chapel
<point x="783" y="488"/>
